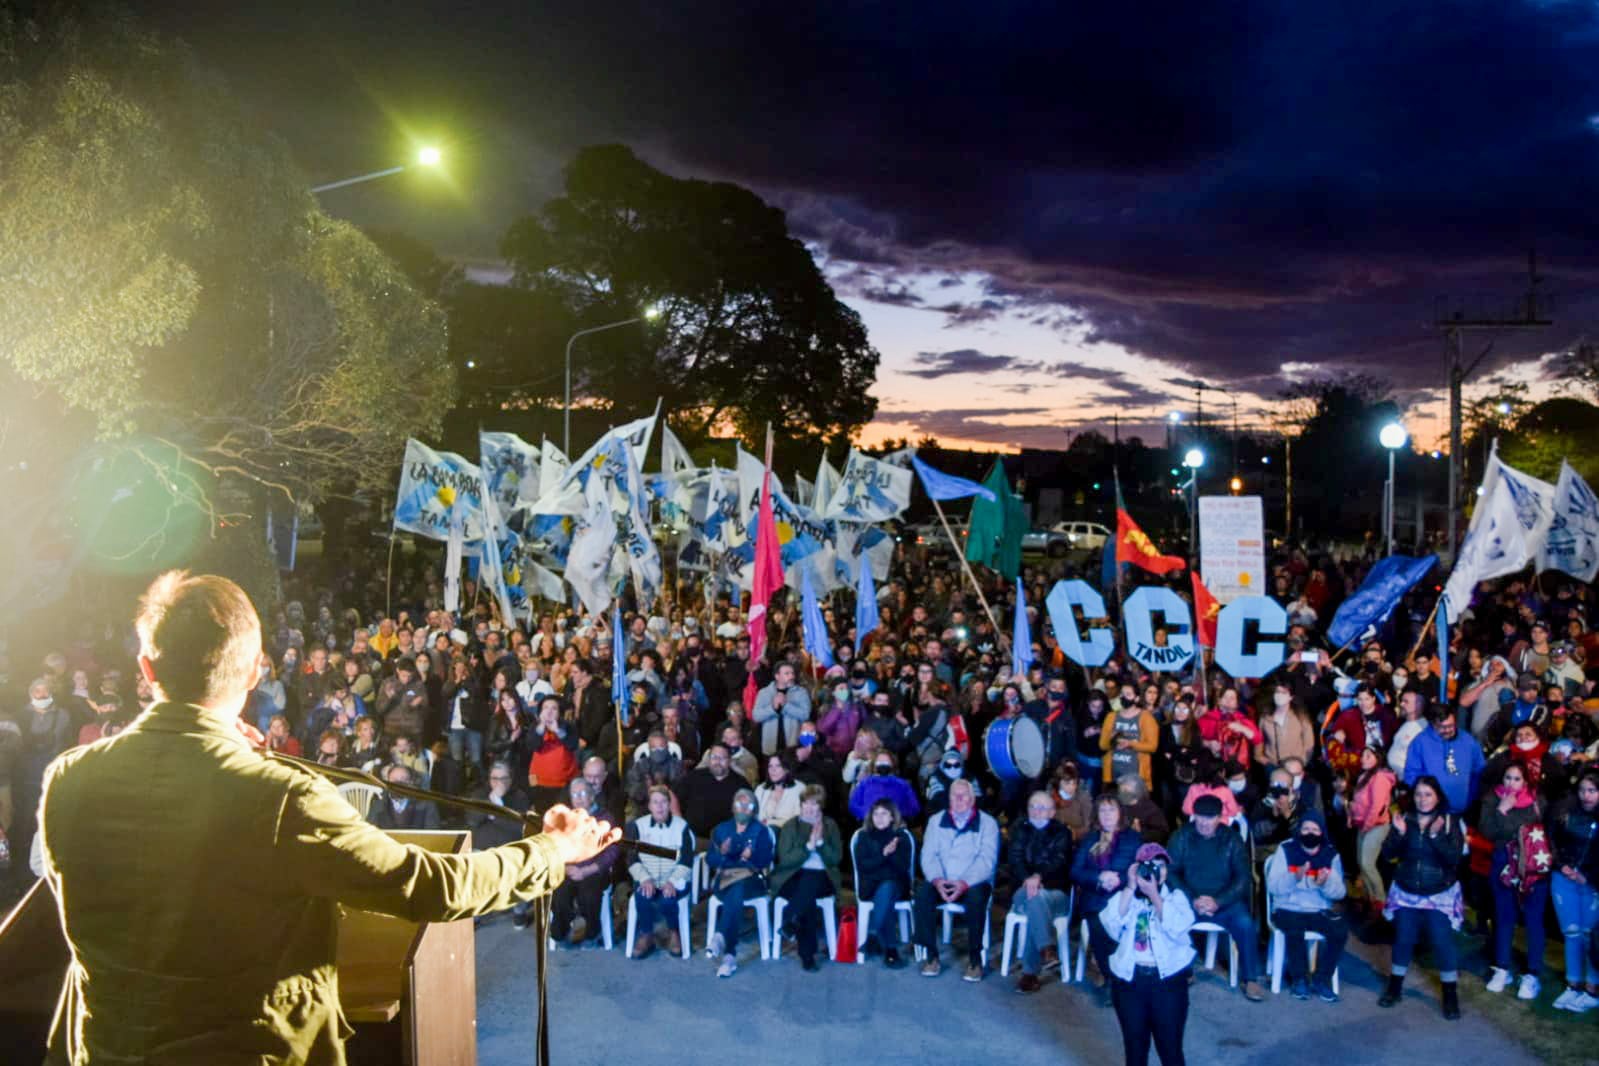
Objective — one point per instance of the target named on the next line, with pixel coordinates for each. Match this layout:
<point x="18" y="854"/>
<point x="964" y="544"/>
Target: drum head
<point x="1027" y="747"/>
<point x="997" y="746"/>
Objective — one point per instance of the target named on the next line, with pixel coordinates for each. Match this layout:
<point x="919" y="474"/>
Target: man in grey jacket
<point x="779" y="709"/>
<point x="960" y="852"/>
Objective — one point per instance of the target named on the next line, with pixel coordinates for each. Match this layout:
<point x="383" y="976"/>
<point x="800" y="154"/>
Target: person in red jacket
<point x="1369" y="722"/>
<point x="554" y="761"/>
<point x="1228" y="731"/>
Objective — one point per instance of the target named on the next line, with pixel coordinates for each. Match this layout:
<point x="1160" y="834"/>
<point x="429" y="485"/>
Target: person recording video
<point x="1150" y="920"/>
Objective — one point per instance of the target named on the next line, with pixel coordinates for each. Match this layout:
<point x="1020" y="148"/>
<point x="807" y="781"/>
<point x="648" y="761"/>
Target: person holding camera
<point x="1150" y="921"/>
<point x="1277" y="812"/>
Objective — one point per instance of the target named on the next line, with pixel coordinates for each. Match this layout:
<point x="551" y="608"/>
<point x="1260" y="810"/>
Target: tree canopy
<point x="749" y="331"/>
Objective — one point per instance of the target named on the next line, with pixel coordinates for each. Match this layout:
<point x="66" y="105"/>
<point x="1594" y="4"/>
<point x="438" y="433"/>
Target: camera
<point x="1150" y="870"/>
<point x="1277" y="791"/>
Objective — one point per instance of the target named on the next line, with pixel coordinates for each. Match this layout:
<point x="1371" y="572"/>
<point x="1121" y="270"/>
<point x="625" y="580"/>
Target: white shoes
<point x="1576" y="1001"/>
<point x="1529" y="987"/>
<point x="1498" y="979"/>
<point x="716" y="947"/>
<point x="728" y="968"/>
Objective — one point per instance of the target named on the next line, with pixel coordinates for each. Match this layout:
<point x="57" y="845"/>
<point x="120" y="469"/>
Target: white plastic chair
<point x="605" y="924"/>
<point x="683" y="935"/>
<point x="863" y="907"/>
<point x="949" y="910"/>
<point x="1082" y="950"/>
<point x="360" y="796"/>
<point x="1212" y="931"/>
<point x="1016" y="938"/>
<point x="829" y="924"/>
<point x="699" y="877"/>
<point x="1279" y="948"/>
<point x="761" y="905"/>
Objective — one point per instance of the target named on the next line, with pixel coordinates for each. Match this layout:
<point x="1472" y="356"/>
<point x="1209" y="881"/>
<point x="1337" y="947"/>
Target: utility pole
<point x="1529" y="314"/>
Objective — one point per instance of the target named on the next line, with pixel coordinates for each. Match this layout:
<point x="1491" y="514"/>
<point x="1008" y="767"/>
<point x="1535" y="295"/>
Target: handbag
<point x="1529" y="859"/>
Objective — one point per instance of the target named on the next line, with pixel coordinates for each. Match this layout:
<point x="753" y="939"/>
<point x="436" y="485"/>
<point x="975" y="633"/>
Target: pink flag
<point x="768" y="577"/>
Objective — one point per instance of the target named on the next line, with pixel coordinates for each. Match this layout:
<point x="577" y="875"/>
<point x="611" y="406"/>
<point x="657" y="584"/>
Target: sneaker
<point x="1583" y="1003"/>
<point x="728" y="968"/>
<point x="1051" y="959"/>
<point x="893" y="960"/>
<point x="1498" y="979"/>
<point x="672" y="944"/>
<point x="1566" y="999"/>
<point x="1028" y="984"/>
<point x="1253" y="992"/>
<point x="521" y="920"/>
<point x="643" y="946"/>
<point x="717" y="946"/>
<point x="1325" y="993"/>
<point x="932" y="967"/>
<point x="1300" y="987"/>
<point x="810" y="965"/>
<point x="1529" y="987"/>
<point x="974" y="972"/>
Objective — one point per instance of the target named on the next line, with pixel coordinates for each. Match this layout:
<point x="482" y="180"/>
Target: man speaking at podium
<point x="198" y="879"/>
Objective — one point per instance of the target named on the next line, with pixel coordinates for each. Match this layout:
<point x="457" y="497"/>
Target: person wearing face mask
<point x="841" y="720"/>
<point x="740" y="853"/>
<point x="951" y="768"/>
<point x="1509" y="813"/>
<point x="884" y="783"/>
<point x="1370" y="810"/>
<point x="1180" y="756"/>
<point x="1127" y="741"/>
<point x="1305" y="878"/>
<point x="809" y="850"/>
<point x="1074" y="803"/>
<point x="1528" y="748"/>
<point x="654" y="764"/>
<point x="1527" y="709"/>
<point x="1285" y="728"/>
<point x="882" y="858"/>
<point x="1425" y="897"/>
<point x="891" y="726"/>
<point x="1039" y="854"/>
<point x="959" y="855"/>
<point x="1088" y="724"/>
<point x="1229" y="784"/>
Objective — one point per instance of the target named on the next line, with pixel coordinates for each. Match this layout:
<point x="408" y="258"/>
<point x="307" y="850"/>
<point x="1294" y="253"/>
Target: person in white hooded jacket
<point x="1150" y="922"/>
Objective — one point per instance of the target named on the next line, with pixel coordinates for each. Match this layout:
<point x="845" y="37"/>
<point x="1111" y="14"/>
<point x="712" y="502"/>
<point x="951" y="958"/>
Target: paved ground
<point x="661" y="1011"/>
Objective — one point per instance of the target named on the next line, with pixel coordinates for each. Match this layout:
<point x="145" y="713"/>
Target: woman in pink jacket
<point x="1369" y="816"/>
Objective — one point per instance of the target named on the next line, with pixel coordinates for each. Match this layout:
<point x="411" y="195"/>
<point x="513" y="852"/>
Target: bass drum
<point x="1015" y="749"/>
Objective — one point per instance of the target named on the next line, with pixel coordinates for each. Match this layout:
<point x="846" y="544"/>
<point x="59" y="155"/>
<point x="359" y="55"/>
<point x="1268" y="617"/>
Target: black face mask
<point x="884" y="769"/>
<point x="1310" y="841"/>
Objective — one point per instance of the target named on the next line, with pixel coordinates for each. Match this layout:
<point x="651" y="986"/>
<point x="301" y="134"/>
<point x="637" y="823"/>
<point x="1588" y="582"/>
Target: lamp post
<point x="1392" y="437"/>
<point x="1193" y="460"/>
<point x="426" y="157"/>
<point x="650" y="314"/>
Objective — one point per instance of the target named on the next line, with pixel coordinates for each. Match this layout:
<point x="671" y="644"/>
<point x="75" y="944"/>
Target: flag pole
<point x="999" y="634"/>
<point x="388" y="580"/>
<point x="1425" y="626"/>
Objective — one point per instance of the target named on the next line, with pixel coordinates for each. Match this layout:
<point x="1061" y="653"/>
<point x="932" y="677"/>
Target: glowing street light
<point x="1194" y="459"/>
<point x="427" y="156"/>
<point x="1175" y="416"/>
<point x="1393" y="437"/>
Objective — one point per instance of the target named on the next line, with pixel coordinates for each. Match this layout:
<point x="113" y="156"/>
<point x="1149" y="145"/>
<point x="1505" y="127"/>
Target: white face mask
<point x="952" y="772"/>
<point x="1039" y="823"/>
<point x="40" y="705"/>
<point x="1283" y="699"/>
<point x="1297" y="779"/>
<point x="1238" y="786"/>
<point x="1526" y="745"/>
<point x="1066" y="793"/>
<point x="1400" y="680"/>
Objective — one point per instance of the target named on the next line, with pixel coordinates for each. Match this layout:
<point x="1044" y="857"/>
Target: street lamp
<point x="1392" y="437"/>
<point x="429" y="156"/>
<point x="651" y="313"/>
<point x="1193" y="460"/>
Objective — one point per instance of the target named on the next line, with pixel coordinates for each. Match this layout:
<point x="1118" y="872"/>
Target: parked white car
<point x="1063" y="538"/>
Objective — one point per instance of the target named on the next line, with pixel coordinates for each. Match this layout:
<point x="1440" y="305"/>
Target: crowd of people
<point x="1358" y="793"/>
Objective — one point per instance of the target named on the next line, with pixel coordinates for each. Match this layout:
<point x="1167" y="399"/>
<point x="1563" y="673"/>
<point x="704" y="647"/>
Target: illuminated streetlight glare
<point x="652" y="312"/>
<point x="1175" y="416"/>
<point x="1393" y="435"/>
<point x="1194" y="459"/>
<point x="429" y="156"/>
<point x="1504" y="408"/>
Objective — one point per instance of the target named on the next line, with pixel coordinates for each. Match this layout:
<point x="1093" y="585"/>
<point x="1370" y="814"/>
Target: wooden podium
<point x="408" y="988"/>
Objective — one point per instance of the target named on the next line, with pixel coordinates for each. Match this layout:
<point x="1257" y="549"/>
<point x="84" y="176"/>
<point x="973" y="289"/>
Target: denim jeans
<point x="884" y="921"/>
<point x="1041" y="912"/>
<point x="1150" y="1009"/>
<point x="1509" y="905"/>
<point x="653" y="910"/>
<point x="1577" y="908"/>
<point x="1240" y="925"/>
<point x="730" y="920"/>
<point x="1409" y="925"/>
<point x="467" y="741"/>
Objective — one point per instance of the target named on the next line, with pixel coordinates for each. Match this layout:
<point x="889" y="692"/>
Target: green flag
<point x="994" y="538"/>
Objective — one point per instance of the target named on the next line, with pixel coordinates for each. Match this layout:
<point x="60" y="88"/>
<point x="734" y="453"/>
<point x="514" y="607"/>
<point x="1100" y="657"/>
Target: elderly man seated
<point x="390" y="811"/>
<point x="1040" y="858"/>
<point x="1210" y="864"/>
<point x="658" y="883"/>
<point x="960" y="852"/>
<point x="583" y="891"/>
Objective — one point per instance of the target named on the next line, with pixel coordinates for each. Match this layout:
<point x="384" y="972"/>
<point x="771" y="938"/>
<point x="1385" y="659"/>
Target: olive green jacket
<point x="199" y="881"/>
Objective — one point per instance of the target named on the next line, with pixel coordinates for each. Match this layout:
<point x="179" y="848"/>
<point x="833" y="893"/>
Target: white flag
<point x="552" y="467"/>
<point x="453" y="548"/>
<point x="869" y="491"/>
<point x="436" y="489"/>
<point x="541" y="582"/>
<point x="804" y="492"/>
<point x="510" y="467"/>
<point x="1500" y="540"/>
<point x="588" y="563"/>
<point x="1533" y="500"/>
<point x="674" y="457"/>
<point x="1572" y="543"/>
<point x="826" y="484"/>
<point x="490" y="568"/>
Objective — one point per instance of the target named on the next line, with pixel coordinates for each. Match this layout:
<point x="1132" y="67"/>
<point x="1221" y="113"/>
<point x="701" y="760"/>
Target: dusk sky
<point x="1044" y="212"/>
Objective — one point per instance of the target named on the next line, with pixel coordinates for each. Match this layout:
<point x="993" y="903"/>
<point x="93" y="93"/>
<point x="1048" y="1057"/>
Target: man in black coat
<point x="706" y="795"/>
<point x="1040" y="858"/>
<point x="397" y="812"/>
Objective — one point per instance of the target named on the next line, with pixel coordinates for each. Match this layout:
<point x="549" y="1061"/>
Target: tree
<point x="167" y="282"/>
<point x="750" y="332"/>
<point x="1339" y="464"/>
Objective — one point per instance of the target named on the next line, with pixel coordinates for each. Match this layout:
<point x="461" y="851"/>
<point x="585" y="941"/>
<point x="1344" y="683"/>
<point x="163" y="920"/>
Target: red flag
<point x="1206" y="611"/>
<point x="1133" y="546"/>
<point x="768" y="577"/>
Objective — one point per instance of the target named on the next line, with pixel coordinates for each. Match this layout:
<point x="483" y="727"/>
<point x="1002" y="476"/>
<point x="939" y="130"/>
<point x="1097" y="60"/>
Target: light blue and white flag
<point x="454" y="546"/>
<point x="1507" y="531"/>
<point x="553" y="464"/>
<point x="1572" y="544"/>
<point x="825" y="485"/>
<point x="491" y="555"/>
<point x="436" y="489"/>
<point x="588" y="562"/>
<point x="511" y="468"/>
<point x="619" y="667"/>
<point x="675" y="460"/>
<point x="1021" y="640"/>
<point x="866" y="613"/>
<point x="870" y="490"/>
<point x="801" y="533"/>
<point x="817" y="642"/>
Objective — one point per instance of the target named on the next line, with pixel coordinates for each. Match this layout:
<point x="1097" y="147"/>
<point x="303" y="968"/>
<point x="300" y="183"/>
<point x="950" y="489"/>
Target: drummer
<point x="1052" y="713"/>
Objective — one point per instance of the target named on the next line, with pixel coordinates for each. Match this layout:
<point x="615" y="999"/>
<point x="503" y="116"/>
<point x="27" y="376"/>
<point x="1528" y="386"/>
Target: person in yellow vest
<point x="198" y="880"/>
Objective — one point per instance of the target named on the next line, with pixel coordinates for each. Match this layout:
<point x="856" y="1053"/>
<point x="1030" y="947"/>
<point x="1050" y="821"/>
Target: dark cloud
<point x="982" y="424"/>
<point x="965" y="361"/>
<point x="1115" y="387"/>
<point x="1226" y="188"/>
